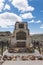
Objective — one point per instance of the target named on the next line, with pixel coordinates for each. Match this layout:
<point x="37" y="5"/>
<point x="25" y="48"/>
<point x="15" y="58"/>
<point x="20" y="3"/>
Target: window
<point x="21" y="25"/>
<point x="21" y="35"/>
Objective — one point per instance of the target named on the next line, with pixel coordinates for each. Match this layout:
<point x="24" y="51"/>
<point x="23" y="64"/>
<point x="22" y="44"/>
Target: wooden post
<point x="2" y="48"/>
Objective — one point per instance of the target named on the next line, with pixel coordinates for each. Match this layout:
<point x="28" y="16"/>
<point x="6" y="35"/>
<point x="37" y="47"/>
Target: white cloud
<point x="41" y="26"/>
<point x="33" y="21"/>
<point x="39" y="21"/>
<point x="27" y="15"/>
<point x="30" y="8"/>
<point x="36" y="32"/>
<point x="8" y="19"/>
<point x="22" y="5"/>
<point x="7" y="7"/>
<point x="1" y="5"/>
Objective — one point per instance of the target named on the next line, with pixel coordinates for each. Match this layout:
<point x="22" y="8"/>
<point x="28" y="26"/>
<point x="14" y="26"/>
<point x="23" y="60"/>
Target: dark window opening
<point x="21" y="25"/>
<point x="21" y="35"/>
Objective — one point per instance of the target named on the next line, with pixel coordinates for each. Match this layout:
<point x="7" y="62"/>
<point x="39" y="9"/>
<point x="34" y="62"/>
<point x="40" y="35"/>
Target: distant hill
<point x="4" y="35"/>
<point x="38" y="37"/>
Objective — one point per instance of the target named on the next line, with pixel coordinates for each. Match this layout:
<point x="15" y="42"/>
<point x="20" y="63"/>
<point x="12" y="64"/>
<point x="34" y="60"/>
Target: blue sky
<point x="30" y="11"/>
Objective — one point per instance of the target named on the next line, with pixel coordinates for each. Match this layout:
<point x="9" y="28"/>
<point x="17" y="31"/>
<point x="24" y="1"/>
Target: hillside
<point x="38" y="37"/>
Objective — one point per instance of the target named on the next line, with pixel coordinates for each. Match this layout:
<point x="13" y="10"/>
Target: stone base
<point x="21" y="50"/>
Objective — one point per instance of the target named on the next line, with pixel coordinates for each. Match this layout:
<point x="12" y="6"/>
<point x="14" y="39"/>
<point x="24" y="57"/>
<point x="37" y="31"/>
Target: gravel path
<point x="23" y="63"/>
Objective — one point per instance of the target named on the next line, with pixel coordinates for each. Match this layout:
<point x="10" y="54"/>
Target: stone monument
<point x="20" y="38"/>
